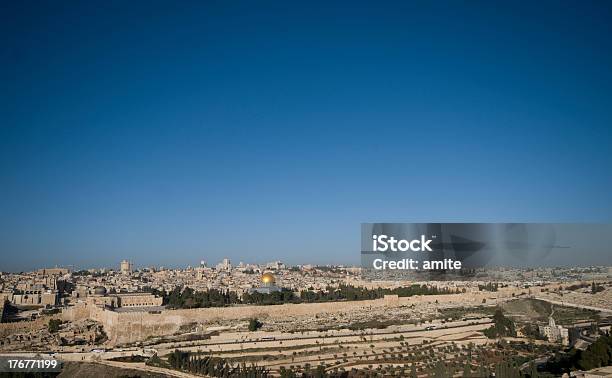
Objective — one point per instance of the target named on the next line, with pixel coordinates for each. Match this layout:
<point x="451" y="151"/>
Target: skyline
<point x="553" y="261"/>
<point x="213" y="265"/>
<point x="168" y="135"/>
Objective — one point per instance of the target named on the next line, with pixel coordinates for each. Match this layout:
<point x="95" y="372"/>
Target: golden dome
<point x="268" y="278"/>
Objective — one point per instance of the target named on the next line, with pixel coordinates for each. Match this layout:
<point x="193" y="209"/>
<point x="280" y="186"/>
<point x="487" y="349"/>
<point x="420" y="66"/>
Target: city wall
<point x="128" y="327"/>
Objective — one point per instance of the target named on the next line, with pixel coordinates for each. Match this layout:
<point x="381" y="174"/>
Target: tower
<point x="126" y="267"/>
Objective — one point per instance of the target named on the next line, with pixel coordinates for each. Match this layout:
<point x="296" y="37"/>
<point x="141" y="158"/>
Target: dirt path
<point x="150" y="369"/>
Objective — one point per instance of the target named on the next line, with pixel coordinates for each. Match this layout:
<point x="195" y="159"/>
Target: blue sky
<point x="170" y="133"/>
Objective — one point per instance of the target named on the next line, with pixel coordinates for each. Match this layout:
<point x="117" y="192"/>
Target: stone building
<point x="225" y="265"/>
<point x="555" y="333"/>
<point x="126" y="267"/>
<point x="35" y="298"/>
<point x="53" y="271"/>
<point x="138" y="300"/>
<point x="101" y="298"/>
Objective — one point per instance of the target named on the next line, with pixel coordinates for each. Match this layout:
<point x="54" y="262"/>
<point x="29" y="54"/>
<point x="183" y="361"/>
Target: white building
<point x="554" y="333"/>
<point x="276" y="265"/>
<point x="225" y="265"/>
<point x="126" y="267"/>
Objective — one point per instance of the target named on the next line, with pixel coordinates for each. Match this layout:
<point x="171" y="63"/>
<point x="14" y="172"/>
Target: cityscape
<point x="286" y="189"/>
<point x="275" y="320"/>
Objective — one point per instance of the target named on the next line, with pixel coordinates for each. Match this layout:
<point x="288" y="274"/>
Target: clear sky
<point x="171" y="132"/>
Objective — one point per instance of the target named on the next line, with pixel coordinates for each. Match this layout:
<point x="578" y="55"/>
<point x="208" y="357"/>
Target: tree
<point x="54" y="325"/>
<point x="413" y="371"/>
<point x="597" y="354"/>
<point x="254" y="324"/>
<point x="502" y="327"/>
<point x="441" y="371"/>
<point x="154" y="361"/>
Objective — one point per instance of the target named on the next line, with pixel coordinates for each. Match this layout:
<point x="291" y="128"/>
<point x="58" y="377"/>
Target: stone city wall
<point x="79" y="311"/>
<point x="128" y="327"/>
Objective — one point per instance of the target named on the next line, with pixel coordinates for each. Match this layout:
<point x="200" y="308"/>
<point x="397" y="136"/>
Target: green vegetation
<point x="155" y="361"/>
<point x="130" y="359"/>
<point x="54" y="325"/>
<point x="352" y="293"/>
<point x="596" y="355"/>
<point x="318" y="372"/>
<point x="502" y="327"/>
<point x="488" y="287"/>
<point x="9" y="309"/>
<point x="536" y="311"/>
<point x="577" y="286"/>
<point x="404" y="360"/>
<point x="458" y="313"/>
<point x="277" y="297"/>
<point x="507" y="370"/>
<point x="254" y="324"/>
<point x="532" y="331"/>
<point x="188" y="298"/>
<point x="213" y="366"/>
<point x="374" y="324"/>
